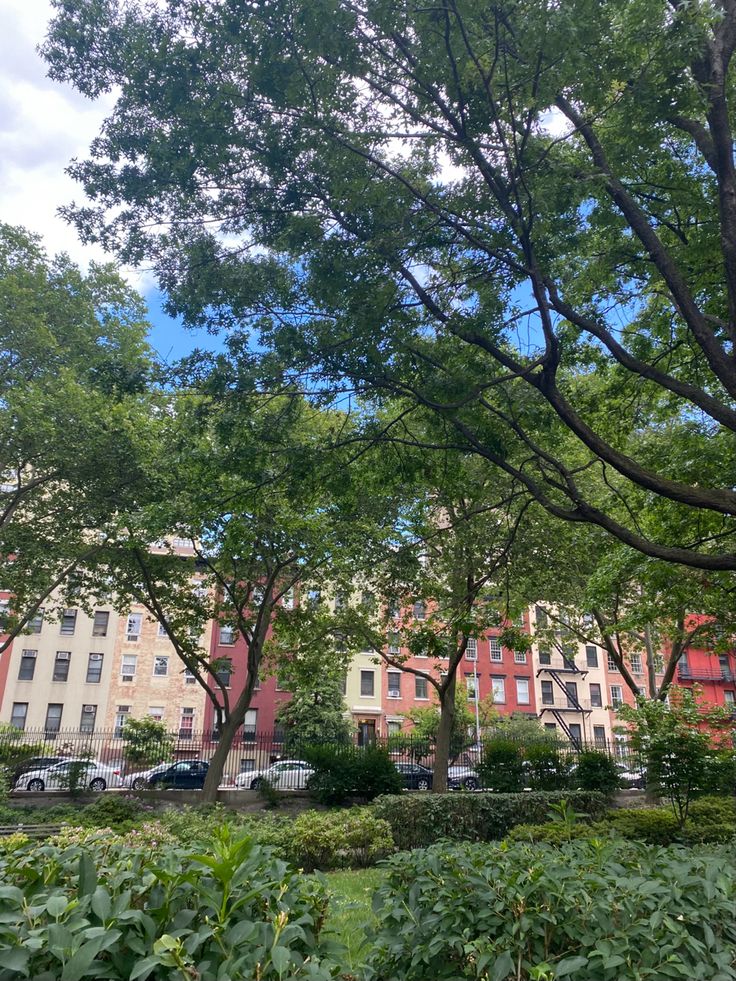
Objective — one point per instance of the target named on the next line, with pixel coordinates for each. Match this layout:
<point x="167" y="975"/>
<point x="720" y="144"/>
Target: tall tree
<point x="75" y="398"/>
<point x="521" y="216"/>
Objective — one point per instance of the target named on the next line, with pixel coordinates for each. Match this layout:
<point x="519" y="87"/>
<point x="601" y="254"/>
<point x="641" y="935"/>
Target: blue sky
<point x="168" y="338"/>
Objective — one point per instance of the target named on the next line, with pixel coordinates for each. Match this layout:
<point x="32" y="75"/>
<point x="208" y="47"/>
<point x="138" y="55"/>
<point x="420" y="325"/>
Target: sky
<point x="43" y="124"/>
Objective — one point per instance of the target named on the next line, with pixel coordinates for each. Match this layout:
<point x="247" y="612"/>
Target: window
<point x="35" y="623"/>
<point x="612" y="666"/>
<point x="186" y="723"/>
<point x="314" y="598"/>
<point x="394" y="610"/>
<point x="227" y="635"/>
<point x="729" y="698"/>
<point x="658" y="663"/>
<point x="100" y="623"/>
<point x="599" y="736"/>
<point x="287" y="600"/>
<point x="27" y="665"/>
<point x="682" y="664"/>
<point x="189" y="677"/>
<point x="394" y="644"/>
<point x="250" y="724"/>
<point x="133" y="627"/>
<point x="550" y="726"/>
<point x="247" y="766"/>
<point x="545" y="657"/>
<point x="61" y="666"/>
<point x="591" y="656"/>
<point x="367" y="684"/>
<point x="128" y="666"/>
<point x="575" y="733"/>
<point x="522" y="691"/>
<point x="596" y="697"/>
<point x="53" y="718"/>
<point x="420" y="611"/>
<point x="470" y="684"/>
<point x="635" y="661"/>
<point x="160" y="666"/>
<point x="471" y="650"/>
<point x="548" y="694"/>
<point x="18" y="715"/>
<point x="68" y="622"/>
<point x="617" y="695"/>
<point x="541" y="615"/>
<point x="161" y="632"/>
<point x="498" y="687"/>
<point x="519" y="657"/>
<point x="156" y="712"/>
<point x="121" y="717"/>
<point x="87" y="720"/>
<point x="724" y="666"/>
<point x="568" y="659"/>
<point x="421" y="687"/>
<point x="393" y="726"/>
<point x="181" y="542"/>
<point x="394" y="684"/>
<point x="494" y="645"/>
<point x="571" y="688"/>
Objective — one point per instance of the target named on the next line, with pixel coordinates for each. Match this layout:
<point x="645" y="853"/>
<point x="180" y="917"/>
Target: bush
<point x="605" y="910"/>
<point x="546" y="767"/>
<point x="103" y="910"/>
<point x="418" y="820"/>
<point x="343" y="772"/>
<point x="338" y="839"/>
<point x="112" y="811"/>
<point x="596" y="771"/>
<point x="720" y="773"/>
<point x="558" y="833"/>
<point x="502" y="766"/>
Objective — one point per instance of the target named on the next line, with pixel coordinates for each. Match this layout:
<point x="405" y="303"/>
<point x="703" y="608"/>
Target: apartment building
<point x="57" y="675"/>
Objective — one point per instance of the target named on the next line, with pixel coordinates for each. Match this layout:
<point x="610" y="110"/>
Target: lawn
<point x="350" y="912"/>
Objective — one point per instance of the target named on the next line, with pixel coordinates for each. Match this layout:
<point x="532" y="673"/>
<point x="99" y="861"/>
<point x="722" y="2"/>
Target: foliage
<point x="349" y="771"/>
<point x="547" y="768"/>
<point x="589" y="909"/>
<point x="501" y="768"/>
<point x="113" y="811"/>
<point x="146" y="742"/>
<point x="314" y="714"/>
<point x="269" y="793"/>
<point x="720" y="775"/>
<point x="122" y="913"/>
<point x="595" y="771"/>
<point x="676" y="740"/>
<point x="346" y="838"/>
<point x="15" y="750"/>
<point x="418" y="820"/>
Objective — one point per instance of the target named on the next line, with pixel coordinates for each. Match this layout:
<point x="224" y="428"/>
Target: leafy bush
<point x="112" y="811"/>
<point x="605" y="910"/>
<point x="557" y="833"/>
<point x="720" y="773"/>
<point x="418" y="820"/>
<point x="502" y="766"/>
<point x="596" y="771"/>
<point x="546" y="767"/>
<point x="335" y="839"/>
<point x="111" y="911"/>
<point x="146" y="742"/>
<point x="343" y="772"/>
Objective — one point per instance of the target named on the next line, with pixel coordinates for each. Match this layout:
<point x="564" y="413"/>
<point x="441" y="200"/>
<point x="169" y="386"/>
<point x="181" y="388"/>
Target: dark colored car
<point x="34" y="763"/>
<point x="184" y="775"/>
<point x="415" y="776"/>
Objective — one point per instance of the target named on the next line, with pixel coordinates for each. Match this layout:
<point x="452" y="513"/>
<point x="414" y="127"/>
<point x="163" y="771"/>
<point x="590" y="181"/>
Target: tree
<point x="75" y="392"/>
<point x="314" y="715"/>
<point x="146" y="742"/>
<point x="520" y="217"/>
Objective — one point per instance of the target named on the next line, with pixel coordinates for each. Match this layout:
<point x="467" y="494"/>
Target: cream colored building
<point x="59" y="673"/>
<point x="363" y="688"/>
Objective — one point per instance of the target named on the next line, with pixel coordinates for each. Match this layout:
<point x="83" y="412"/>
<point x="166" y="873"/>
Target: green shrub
<point x="338" y="839"/>
<point x="720" y="773"/>
<point x="587" y="910"/>
<point x="714" y="810"/>
<point x="557" y="833"/>
<point x="595" y="771"/>
<point x="418" y="820"/>
<point x="343" y="772"/>
<point x="502" y="766"/>
<point x="107" y="910"/>
<point x="546" y="767"/>
<point x="112" y="811"/>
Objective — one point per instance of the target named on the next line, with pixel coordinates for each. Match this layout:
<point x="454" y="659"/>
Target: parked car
<point x="35" y="763"/>
<point x="91" y="774"/>
<point x="285" y="774"/>
<point x="141" y="778"/>
<point x="631" y="779"/>
<point x="462" y="778"/>
<point x="183" y="775"/>
<point x="415" y="776"/>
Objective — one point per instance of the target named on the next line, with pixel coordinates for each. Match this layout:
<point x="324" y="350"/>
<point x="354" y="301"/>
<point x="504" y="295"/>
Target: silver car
<point x="91" y="774"/>
<point x="286" y="775"/>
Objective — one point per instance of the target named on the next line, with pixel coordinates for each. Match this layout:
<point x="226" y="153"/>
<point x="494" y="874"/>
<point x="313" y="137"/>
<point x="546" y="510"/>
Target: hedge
<point x="418" y="820"/>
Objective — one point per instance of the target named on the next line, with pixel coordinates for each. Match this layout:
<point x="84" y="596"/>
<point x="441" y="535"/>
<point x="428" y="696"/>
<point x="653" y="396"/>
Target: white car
<point x="286" y="775"/>
<point x="91" y="774"/>
<point x="139" y="780"/>
<point x="462" y="778"/>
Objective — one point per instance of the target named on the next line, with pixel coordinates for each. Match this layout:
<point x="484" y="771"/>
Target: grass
<point x="350" y="913"/>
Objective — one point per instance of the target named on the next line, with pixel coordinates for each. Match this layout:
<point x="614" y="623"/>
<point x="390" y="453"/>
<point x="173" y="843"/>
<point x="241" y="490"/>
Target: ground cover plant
<point x="604" y="910"/>
<point x="103" y="910"/>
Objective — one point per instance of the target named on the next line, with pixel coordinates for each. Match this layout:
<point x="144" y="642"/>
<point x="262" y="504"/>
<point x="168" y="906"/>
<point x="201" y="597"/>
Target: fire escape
<point x="565" y="712"/>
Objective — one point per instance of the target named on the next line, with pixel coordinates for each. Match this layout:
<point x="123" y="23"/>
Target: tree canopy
<point x="520" y="216"/>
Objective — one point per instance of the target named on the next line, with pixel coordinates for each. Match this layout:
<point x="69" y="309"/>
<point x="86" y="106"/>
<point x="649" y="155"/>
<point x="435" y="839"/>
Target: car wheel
<point x="256" y="784"/>
<point x="35" y="785"/>
<point x="470" y="783"/>
<point x="138" y="784"/>
<point x="423" y="784"/>
<point x="97" y="784"/>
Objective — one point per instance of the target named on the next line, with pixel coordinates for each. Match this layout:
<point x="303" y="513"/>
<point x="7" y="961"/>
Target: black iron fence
<point x="181" y="757"/>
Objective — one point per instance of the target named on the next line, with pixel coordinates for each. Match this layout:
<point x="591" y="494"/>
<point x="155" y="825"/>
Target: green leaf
<point x="77" y="965"/>
<point x="15" y="959"/>
<point x="280" y="958"/>
<point x="503" y="967"/>
<point x="569" y="965"/>
<point x="87" y="875"/>
<point x="57" y="905"/>
<point x="143" y="968"/>
<point x="101" y="904"/>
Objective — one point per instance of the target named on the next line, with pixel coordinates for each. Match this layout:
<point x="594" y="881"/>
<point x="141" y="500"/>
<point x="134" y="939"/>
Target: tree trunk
<point x="444" y="734"/>
<point x="217" y="763"/>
